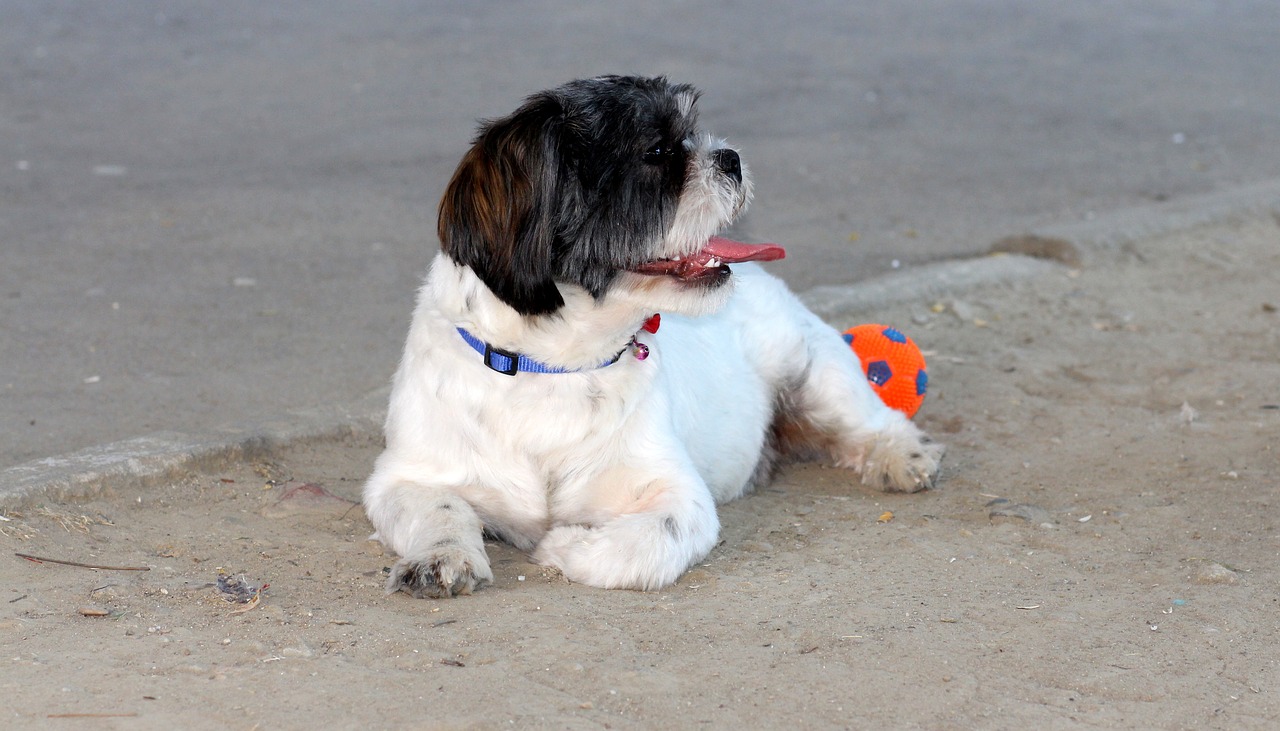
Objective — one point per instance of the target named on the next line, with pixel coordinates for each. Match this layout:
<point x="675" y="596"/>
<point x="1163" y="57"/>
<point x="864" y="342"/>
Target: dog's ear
<point x="498" y="214"/>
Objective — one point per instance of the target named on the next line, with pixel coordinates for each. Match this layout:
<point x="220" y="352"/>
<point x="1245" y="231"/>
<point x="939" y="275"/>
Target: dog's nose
<point x="729" y="163"/>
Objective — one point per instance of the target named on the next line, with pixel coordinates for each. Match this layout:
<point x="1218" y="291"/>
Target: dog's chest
<point x="557" y="419"/>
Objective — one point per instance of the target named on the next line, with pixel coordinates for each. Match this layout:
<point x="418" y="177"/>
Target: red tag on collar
<point x="651" y="325"/>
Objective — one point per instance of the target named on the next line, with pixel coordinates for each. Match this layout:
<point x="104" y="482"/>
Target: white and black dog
<point x="539" y="402"/>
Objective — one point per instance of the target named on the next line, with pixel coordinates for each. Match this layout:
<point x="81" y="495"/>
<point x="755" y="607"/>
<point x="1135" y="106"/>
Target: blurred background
<point x="215" y="211"/>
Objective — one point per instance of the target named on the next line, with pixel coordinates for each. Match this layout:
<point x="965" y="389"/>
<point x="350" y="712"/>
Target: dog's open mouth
<point x="713" y="260"/>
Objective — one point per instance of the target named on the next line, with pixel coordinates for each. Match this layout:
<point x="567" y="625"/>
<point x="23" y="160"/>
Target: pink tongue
<point x="722" y="250"/>
<point x="732" y="252"/>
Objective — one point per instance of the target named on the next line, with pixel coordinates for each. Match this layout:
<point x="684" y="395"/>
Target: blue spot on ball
<point x="879" y="372"/>
<point x="922" y="382"/>
<point x="894" y="335"/>
<point x="848" y="338"/>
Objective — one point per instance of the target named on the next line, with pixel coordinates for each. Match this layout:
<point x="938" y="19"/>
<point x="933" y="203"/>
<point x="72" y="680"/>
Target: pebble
<point x="1002" y="508"/>
<point x="1215" y="573"/>
<point x="301" y="650"/>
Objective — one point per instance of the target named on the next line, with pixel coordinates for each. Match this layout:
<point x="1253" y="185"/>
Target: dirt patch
<point x="1101" y="552"/>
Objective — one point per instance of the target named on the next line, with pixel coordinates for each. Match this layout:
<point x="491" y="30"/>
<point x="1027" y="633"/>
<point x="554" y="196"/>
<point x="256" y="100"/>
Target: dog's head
<point x="592" y="182"/>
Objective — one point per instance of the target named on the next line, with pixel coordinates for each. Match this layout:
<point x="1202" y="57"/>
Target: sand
<point x="1100" y="553"/>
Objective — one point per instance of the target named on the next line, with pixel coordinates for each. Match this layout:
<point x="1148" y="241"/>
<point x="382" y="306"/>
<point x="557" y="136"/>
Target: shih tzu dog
<point x="590" y="369"/>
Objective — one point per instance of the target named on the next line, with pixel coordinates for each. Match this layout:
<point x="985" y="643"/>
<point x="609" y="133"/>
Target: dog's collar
<point x="508" y="363"/>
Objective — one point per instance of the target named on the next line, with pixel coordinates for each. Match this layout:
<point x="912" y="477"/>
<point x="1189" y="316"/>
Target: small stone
<point x="1002" y="508"/>
<point x="302" y="650"/>
<point x="1215" y="573"/>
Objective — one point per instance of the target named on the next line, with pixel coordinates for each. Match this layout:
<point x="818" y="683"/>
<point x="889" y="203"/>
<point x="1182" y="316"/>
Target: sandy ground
<point x="1101" y="553"/>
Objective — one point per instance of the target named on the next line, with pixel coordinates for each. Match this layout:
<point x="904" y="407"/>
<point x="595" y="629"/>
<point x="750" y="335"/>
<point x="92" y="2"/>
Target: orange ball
<point x="893" y="364"/>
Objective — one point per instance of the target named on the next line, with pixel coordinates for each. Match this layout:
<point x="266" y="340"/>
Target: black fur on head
<point x="579" y="183"/>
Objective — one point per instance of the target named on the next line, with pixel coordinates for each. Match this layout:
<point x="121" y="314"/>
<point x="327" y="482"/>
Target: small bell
<point x="639" y="349"/>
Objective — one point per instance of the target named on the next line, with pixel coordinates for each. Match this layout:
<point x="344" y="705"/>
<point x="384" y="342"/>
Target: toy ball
<point x="893" y="364"/>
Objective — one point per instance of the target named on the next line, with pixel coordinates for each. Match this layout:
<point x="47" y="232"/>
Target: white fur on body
<point x="611" y="474"/>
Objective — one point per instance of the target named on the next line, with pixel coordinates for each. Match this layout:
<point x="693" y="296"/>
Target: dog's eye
<point x="657" y="154"/>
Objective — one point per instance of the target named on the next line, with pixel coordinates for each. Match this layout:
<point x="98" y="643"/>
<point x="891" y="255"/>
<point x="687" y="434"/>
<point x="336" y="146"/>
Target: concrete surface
<point x="215" y="213"/>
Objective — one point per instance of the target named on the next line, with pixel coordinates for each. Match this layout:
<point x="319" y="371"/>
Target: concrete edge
<point x="162" y="457"/>
<point x="924" y="282"/>
<point x="1109" y="234"/>
<point x="1096" y="240"/>
<point x="153" y="459"/>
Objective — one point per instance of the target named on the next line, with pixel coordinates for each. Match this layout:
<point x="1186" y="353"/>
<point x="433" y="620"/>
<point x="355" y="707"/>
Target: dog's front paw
<point x="902" y="462"/>
<point x="447" y="571"/>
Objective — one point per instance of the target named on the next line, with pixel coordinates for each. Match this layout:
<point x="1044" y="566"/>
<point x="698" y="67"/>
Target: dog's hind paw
<point x="445" y="572"/>
<point x="637" y="551"/>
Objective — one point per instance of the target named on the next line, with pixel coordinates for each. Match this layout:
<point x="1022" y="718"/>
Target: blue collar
<point x="509" y="363"/>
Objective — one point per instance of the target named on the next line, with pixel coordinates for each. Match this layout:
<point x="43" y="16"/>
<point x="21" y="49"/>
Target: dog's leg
<point x="670" y="525"/>
<point x="825" y="406"/>
<point x="438" y="535"/>
<point x="850" y="422"/>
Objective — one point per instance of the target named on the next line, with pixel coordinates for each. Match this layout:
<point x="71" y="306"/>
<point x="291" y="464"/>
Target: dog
<point x="590" y="370"/>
